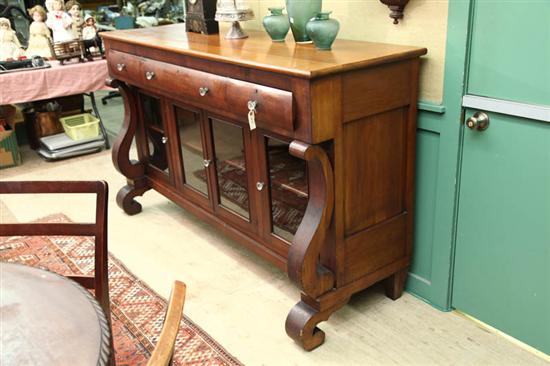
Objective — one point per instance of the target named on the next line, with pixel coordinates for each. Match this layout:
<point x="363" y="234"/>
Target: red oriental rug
<point x="137" y="311"/>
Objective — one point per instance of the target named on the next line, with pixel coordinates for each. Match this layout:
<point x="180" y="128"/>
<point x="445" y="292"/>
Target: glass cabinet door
<point x="288" y="188"/>
<point x="154" y="129"/>
<point x="232" y="170"/>
<point x="191" y="144"/>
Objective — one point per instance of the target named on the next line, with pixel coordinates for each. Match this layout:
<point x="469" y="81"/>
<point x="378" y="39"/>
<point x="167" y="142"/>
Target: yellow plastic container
<point x="80" y="126"/>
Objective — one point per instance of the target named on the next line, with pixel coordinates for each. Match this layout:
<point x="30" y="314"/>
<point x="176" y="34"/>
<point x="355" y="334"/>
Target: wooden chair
<point x="164" y="350"/>
<point x="99" y="281"/>
<point x="162" y="354"/>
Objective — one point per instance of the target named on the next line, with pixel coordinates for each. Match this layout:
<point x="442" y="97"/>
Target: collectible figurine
<point x="92" y="41"/>
<point x="39" y="34"/>
<point x="73" y="8"/>
<point x="10" y="48"/>
<point x="49" y="5"/>
<point x="60" y="23"/>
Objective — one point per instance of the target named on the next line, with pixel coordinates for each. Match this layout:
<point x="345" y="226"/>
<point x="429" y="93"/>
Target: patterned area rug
<point x="288" y="186"/>
<point x="137" y="311"/>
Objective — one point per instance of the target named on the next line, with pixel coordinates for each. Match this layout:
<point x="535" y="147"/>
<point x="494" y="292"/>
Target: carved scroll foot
<point x="395" y="284"/>
<point x="301" y="323"/>
<point x="125" y="197"/>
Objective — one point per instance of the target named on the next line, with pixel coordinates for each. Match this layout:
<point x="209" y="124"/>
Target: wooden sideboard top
<point x="259" y="52"/>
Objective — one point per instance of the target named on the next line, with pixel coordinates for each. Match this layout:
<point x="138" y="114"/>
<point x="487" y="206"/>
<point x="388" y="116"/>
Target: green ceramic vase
<point x="323" y="30"/>
<point x="276" y="24"/>
<point x="299" y="13"/>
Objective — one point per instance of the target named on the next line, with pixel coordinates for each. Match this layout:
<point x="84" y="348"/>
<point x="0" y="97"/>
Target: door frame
<point x="445" y="120"/>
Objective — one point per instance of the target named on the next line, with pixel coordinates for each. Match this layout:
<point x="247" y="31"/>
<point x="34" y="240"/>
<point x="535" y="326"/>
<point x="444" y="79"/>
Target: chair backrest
<point x="164" y="350"/>
<point x="99" y="281"/>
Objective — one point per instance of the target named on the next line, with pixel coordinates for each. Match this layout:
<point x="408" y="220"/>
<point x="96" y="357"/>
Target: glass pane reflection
<point x="231" y="167"/>
<point x="289" y="189"/>
<point x="157" y="150"/>
<point x="189" y="130"/>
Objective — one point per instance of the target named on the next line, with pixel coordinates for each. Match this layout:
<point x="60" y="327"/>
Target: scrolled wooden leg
<point x="301" y="322"/>
<point x="125" y="197"/>
<point x="301" y="325"/>
<point x="395" y="284"/>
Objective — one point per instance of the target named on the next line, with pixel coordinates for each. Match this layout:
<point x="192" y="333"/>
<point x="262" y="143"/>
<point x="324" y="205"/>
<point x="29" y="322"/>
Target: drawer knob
<point x="203" y="91"/>
<point x="164" y="139"/>
<point x="260" y="186"/>
<point x="120" y="67"/>
<point x="149" y="75"/>
<point x="206" y="163"/>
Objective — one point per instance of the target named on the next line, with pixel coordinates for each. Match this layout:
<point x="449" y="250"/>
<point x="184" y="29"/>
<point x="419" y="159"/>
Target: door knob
<point x="164" y="139"/>
<point x="260" y="186"/>
<point x="479" y="121"/>
<point x="206" y="163"/>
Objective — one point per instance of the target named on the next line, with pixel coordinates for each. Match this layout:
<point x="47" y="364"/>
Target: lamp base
<point x="235" y="32"/>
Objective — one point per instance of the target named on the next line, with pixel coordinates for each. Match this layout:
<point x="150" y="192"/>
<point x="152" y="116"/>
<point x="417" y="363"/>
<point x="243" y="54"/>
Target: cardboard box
<point x="9" y="151"/>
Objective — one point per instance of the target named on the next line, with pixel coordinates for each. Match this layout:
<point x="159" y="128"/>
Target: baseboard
<point x="509" y="338"/>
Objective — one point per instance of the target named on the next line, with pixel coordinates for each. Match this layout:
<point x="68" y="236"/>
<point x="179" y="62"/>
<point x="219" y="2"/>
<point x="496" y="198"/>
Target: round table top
<point x="48" y="319"/>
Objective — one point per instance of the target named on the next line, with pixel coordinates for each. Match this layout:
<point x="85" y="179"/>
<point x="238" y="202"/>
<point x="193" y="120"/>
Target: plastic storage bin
<point x="80" y="126"/>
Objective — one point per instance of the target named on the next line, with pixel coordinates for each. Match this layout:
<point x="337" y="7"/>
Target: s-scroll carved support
<point x="304" y="265"/>
<point x="133" y="170"/>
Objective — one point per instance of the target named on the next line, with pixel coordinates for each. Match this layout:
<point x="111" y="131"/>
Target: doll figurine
<point x="92" y="41"/>
<point x="49" y="5"/>
<point x="10" y="48"/>
<point x="73" y="8"/>
<point x="60" y="23"/>
<point x="39" y="34"/>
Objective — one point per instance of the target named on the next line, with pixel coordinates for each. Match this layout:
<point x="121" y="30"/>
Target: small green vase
<point x="323" y="30"/>
<point x="276" y="24"/>
<point x="299" y="13"/>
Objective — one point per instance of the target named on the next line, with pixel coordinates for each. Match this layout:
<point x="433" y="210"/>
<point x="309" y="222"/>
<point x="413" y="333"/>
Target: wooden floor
<point x="242" y="301"/>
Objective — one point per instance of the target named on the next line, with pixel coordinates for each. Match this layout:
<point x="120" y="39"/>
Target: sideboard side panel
<point x="375" y="185"/>
<point x="376" y="90"/>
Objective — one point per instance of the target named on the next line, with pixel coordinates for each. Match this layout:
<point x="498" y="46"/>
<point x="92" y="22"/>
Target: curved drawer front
<point x="222" y="95"/>
<point x="125" y="67"/>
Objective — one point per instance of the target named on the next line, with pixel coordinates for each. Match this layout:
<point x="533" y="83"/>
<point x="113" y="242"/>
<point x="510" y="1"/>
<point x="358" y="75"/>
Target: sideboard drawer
<point x="125" y="67"/>
<point x="274" y="107"/>
<point x="223" y="95"/>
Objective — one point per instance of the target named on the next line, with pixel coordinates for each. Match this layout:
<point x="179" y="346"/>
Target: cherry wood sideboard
<point x="306" y="157"/>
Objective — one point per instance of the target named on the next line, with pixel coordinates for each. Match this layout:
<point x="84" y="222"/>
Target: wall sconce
<point x="397" y="7"/>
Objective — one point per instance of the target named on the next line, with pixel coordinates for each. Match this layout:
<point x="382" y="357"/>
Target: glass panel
<point x="157" y="150"/>
<point x="289" y="189"/>
<point x="231" y="167"/>
<point x="152" y="119"/>
<point x="191" y="149"/>
<point x="151" y="111"/>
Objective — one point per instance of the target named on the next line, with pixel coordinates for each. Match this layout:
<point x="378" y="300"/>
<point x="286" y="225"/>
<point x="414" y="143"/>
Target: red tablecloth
<point x="58" y="80"/>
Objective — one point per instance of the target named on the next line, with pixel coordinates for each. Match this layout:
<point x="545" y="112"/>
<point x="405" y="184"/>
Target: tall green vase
<point x="299" y="13"/>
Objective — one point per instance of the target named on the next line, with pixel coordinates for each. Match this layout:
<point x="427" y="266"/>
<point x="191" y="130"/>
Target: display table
<point x="48" y="319"/>
<point x="53" y="82"/>
<point x="56" y="81"/>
